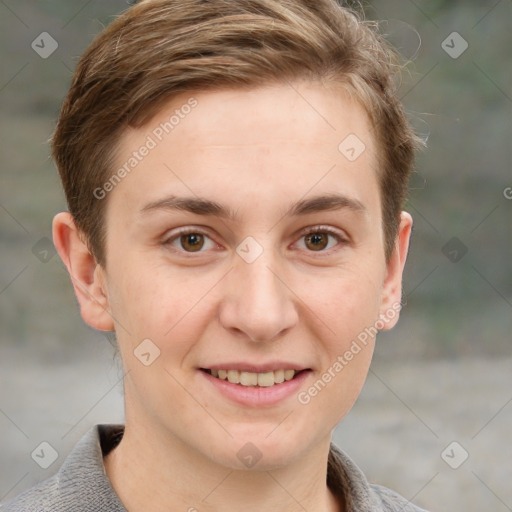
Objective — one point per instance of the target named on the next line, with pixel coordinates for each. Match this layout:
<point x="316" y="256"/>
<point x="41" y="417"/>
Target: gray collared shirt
<point x="81" y="484"/>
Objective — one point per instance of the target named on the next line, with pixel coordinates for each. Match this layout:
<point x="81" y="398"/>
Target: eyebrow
<point x="202" y="206"/>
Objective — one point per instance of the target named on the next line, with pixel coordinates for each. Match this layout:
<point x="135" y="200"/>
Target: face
<point x="245" y="240"/>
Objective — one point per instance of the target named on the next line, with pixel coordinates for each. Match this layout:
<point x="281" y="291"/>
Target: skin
<point x="256" y="152"/>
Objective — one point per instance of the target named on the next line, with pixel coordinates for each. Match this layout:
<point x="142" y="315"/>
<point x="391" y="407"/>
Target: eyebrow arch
<point x="197" y="205"/>
<point x="325" y="203"/>
<point x="202" y="206"/>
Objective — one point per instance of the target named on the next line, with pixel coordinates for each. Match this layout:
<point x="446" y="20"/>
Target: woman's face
<point x="247" y="238"/>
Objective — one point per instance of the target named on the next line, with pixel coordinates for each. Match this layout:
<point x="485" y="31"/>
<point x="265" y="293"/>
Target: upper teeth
<point x="254" y="379"/>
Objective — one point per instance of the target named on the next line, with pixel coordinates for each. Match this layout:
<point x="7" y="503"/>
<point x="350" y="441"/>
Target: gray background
<point x="442" y="375"/>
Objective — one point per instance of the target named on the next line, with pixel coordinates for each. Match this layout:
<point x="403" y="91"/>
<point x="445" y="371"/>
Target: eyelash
<point x="342" y="240"/>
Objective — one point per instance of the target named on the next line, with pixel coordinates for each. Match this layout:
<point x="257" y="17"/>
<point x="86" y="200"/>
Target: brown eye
<point x="321" y="239"/>
<point x="317" y="241"/>
<point x="192" y="242"/>
<point x="188" y="241"/>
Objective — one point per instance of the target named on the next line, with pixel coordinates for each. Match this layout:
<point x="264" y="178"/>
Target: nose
<point x="257" y="303"/>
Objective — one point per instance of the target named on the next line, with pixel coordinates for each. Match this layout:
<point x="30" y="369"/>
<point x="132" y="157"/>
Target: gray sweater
<point x="81" y="485"/>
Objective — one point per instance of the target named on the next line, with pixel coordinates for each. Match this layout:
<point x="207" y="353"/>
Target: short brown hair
<point x="159" y="48"/>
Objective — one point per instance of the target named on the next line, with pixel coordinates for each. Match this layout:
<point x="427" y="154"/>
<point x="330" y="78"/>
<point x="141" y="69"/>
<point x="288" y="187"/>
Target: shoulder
<point x="36" y="499"/>
<point x="40" y="498"/>
<point x="81" y="483"/>
<point x="348" y="482"/>
<point x="391" y="501"/>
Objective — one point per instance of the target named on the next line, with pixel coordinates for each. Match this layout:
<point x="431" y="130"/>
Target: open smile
<point x="261" y="379"/>
<point x="256" y="389"/>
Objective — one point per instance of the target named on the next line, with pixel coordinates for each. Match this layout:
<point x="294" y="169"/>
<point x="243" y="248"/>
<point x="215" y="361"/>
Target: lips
<point x="258" y="386"/>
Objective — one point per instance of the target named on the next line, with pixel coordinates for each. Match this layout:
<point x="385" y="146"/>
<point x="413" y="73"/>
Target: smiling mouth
<point x="266" y="379"/>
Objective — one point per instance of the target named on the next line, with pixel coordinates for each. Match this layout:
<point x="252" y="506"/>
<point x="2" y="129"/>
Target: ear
<point x="87" y="276"/>
<point x="392" y="287"/>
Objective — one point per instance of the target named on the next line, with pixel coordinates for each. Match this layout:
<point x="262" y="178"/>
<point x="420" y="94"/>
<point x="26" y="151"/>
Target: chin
<point x="262" y="450"/>
<point x="250" y="456"/>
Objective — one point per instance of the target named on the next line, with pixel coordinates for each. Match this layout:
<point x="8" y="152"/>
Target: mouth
<point x="253" y="379"/>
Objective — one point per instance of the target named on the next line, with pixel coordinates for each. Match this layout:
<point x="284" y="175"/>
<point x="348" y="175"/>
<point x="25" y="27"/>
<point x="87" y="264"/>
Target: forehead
<point x="290" y="113"/>
<point x="269" y="141"/>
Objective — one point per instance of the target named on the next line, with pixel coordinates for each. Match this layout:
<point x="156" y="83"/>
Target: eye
<point x="320" y="239"/>
<point x="190" y="241"/>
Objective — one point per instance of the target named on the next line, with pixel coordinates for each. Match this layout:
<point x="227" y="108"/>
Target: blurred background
<point x="433" y="421"/>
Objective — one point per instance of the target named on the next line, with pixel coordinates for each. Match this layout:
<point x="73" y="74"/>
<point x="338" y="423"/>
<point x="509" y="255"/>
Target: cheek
<point x="349" y="309"/>
<point x="348" y="305"/>
<point x="347" y="352"/>
<point x="161" y="304"/>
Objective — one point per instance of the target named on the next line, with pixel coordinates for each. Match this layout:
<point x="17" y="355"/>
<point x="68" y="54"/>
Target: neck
<point x="151" y="473"/>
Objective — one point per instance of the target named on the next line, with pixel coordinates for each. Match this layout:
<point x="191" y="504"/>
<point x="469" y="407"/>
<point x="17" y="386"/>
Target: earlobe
<point x="392" y="287"/>
<point x="87" y="276"/>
